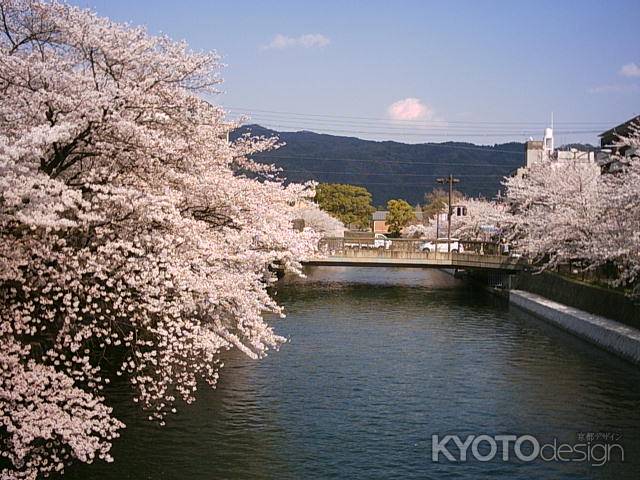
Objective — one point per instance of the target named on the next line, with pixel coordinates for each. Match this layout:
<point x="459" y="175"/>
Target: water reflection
<point x="378" y="361"/>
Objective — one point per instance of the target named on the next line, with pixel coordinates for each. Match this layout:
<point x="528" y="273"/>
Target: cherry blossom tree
<point x="616" y="237"/>
<point x="555" y="206"/>
<point x="135" y="241"/>
<point x="419" y="230"/>
<point x="480" y="214"/>
<point x="319" y="221"/>
<point x="569" y="211"/>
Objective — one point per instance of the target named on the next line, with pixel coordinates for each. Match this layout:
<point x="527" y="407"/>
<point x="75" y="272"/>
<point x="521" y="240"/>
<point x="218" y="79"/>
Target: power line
<point x="462" y="122"/>
<point x="439" y="135"/>
<point x="388" y="174"/>
<point x="498" y="177"/>
<point x="440" y="131"/>
<point x="386" y="124"/>
<point x="487" y="149"/>
<point x="435" y="126"/>
<point x="390" y="162"/>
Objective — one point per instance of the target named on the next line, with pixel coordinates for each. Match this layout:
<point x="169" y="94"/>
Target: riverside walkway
<point x="406" y="253"/>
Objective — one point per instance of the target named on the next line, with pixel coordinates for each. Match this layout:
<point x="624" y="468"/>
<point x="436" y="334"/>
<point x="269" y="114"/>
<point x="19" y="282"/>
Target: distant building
<point x="613" y="155"/>
<point x="379" y="221"/>
<point x="543" y="151"/>
<point x="609" y="139"/>
<point x="534" y="153"/>
<point x="575" y="155"/>
<point x="539" y="151"/>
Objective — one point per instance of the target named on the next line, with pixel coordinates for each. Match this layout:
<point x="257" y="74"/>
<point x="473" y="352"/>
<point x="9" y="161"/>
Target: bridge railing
<point x="480" y="247"/>
<point x="406" y="252"/>
<point x="405" y="244"/>
<point x="338" y="244"/>
<point x="330" y="245"/>
<point x="334" y="245"/>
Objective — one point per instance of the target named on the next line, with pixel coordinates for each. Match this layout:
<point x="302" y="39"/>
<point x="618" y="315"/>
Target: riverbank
<point x="593" y="299"/>
<point x="558" y="301"/>
<point x="605" y="333"/>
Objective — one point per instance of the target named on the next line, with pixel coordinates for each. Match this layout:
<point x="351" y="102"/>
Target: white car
<point x="430" y="246"/>
<point x="381" y="241"/>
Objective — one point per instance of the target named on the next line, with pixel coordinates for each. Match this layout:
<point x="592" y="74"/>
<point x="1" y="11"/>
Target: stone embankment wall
<point x="608" y="334"/>
<point x="598" y="301"/>
<point x="603" y="317"/>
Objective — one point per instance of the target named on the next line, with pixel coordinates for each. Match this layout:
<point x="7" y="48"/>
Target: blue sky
<point x="478" y="71"/>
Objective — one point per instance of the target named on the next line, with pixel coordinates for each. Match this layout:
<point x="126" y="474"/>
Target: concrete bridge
<point x="406" y="253"/>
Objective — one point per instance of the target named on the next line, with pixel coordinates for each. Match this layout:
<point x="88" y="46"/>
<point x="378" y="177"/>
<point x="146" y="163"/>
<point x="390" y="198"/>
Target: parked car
<point x="366" y="240"/>
<point x="381" y="241"/>
<point x="430" y="246"/>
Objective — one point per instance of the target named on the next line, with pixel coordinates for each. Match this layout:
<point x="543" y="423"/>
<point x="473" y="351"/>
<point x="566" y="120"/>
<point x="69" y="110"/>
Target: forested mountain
<point x="390" y="169"/>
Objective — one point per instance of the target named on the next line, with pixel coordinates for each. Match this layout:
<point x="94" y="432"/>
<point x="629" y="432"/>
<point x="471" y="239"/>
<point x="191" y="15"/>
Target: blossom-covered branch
<point x="132" y="234"/>
<point x="569" y="212"/>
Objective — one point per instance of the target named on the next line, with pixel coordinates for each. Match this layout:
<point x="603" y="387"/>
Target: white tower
<point x="547" y="141"/>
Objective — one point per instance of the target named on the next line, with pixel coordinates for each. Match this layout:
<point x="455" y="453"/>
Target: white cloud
<point x="614" y="88"/>
<point x="630" y="70"/>
<point x="410" y="109"/>
<point x="309" y="40"/>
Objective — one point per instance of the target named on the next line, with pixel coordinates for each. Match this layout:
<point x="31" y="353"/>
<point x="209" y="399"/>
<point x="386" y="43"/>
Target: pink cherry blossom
<point x="570" y="212"/>
<point x="135" y="240"/>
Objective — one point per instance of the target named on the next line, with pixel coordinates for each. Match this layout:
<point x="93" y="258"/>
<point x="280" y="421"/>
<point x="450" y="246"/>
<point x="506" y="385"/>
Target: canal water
<point x="378" y="361"/>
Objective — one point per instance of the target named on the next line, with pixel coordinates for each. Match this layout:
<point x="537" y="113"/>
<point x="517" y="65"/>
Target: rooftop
<point x="620" y="129"/>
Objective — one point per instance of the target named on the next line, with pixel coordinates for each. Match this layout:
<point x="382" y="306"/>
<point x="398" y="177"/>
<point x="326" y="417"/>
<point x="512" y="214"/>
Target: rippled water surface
<point x="378" y="361"/>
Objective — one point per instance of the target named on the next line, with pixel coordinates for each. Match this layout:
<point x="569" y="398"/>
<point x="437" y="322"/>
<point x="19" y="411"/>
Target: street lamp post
<point x="450" y="180"/>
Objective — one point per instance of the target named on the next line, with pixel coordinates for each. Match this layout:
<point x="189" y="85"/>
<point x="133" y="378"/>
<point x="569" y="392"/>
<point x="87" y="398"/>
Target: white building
<point x="543" y="151"/>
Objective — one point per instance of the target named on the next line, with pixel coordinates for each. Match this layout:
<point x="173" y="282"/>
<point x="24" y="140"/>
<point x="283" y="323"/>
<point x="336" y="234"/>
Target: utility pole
<point x="450" y="180"/>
